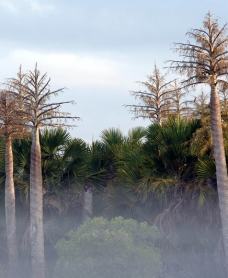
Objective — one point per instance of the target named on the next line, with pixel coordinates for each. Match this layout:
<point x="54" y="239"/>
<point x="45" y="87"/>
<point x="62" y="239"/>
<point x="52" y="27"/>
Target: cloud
<point x="38" y="6"/>
<point x="69" y="69"/>
<point x="9" y="5"/>
<point x="15" y="6"/>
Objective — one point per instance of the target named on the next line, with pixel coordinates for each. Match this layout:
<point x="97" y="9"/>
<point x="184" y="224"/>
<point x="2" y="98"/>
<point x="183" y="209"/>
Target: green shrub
<point x="109" y="249"/>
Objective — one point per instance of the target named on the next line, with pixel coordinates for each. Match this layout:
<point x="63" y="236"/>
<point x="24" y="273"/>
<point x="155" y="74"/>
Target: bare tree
<point x="155" y="103"/>
<point x="206" y="61"/>
<point x="223" y="94"/>
<point x="201" y="105"/>
<point x="179" y="104"/>
<point x="39" y="112"/>
<point x="11" y="126"/>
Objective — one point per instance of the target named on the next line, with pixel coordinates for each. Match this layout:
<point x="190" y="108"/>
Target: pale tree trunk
<point x="36" y="210"/>
<point x="11" y="234"/>
<point x="220" y="161"/>
<point x="87" y="207"/>
<point x="159" y="115"/>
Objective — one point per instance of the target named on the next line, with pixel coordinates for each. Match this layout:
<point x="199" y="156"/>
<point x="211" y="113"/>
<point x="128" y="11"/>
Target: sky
<point x="97" y="50"/>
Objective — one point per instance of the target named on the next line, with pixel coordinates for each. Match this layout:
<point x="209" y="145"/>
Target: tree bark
<point x="87" y="208"/>
<point x="36" y="210"/>
<point x="220" y="161"/>
<point x="11" y="234"/>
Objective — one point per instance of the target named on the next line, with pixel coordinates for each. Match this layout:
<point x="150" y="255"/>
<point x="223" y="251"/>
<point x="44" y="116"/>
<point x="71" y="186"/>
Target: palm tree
<point x="168" y="147"/>
<point x="169" y="172"/>
<point x="206" y="61"/>
<point x="53" y="144"/>
<point x="75" y="167"/>
<point x="57" y="197"/>
<point x="112" y="139"/>
<point x="39" y="112"/>
<point x="95" y="178"/>
<point x="121" y="194"/>
<point x="84" y="168"/>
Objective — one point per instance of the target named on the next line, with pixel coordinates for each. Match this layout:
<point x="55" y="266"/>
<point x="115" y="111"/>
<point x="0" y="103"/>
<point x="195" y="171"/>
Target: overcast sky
<point x="98" y="49"/>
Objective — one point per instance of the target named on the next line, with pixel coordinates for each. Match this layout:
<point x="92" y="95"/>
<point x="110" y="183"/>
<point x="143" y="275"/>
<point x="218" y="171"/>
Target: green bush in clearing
<point x="109" y="249"/>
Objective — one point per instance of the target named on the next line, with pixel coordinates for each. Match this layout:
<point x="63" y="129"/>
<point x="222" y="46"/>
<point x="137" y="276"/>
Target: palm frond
<point x="206" y="168"/>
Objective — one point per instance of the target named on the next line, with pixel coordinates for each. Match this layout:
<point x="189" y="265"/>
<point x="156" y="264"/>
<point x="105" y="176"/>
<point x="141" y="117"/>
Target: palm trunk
<point x="36" y="210"/>
<point x="87" y="209"/>
<point x="220" y="161"/>
<point x="11" y="234"/>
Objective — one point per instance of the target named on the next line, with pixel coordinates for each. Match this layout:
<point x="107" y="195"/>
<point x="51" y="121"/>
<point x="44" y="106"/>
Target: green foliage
<point x="171" y="145"/>
<point x="109" y="249"/>
<point x="206" y="168"/>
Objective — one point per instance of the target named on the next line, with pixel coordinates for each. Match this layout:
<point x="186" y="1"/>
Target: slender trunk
<point x="36" y="210"/>
<point x="87" y="209"/>
<point x="159" y="115"/>
<point x="11" y="234"/>
<point x="220" y="161"/>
